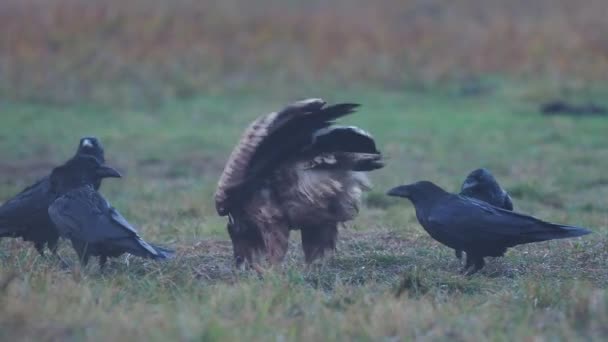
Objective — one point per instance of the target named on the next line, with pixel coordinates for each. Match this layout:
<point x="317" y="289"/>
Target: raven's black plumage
<point x="476" y="227"/>
<point x="480" y="184"/>
<point x="26" y="215"/>
<point x="84" y="216"/>
<point x="91" y="146"/>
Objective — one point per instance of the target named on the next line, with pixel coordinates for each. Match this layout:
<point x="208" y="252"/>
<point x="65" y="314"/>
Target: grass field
<point x="172" y="154"/>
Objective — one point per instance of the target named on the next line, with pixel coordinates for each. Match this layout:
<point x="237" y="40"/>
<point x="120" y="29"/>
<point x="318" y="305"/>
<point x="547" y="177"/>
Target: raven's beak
<point x="86" y="143"/>
<point x="107" y="172"/>
<point x="400" y="191"/>
<point x="469" y="183"/>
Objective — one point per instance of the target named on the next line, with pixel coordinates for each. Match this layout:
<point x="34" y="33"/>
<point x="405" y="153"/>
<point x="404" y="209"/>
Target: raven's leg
<point x="40" y="248"/>
<point x="458" y="254"/>
<point x="52" y="245"/>
<point x="478" y="264"/>
<point x="468" y="263"/>
<point x="103" y="259"/>
<point x="81" y="250"/>
<point x="318" y="239"/>
<point x="83" y="256"/>
<point x="85" y="259"/>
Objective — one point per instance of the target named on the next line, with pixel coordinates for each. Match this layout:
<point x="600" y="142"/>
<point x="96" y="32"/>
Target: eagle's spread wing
<point x="269" y="140"/>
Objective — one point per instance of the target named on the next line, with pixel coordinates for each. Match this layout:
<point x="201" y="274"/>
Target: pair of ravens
<point x="67" y="203"/>
<point x="480" y="220"/>
<point x="295" y="170"/>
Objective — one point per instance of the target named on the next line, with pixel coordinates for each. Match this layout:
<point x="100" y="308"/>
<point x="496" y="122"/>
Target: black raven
<point x="476" y="227"/>
<point x="84" y="216"/>
<point x="26" y="214"/>
<point x="480" y="184"/>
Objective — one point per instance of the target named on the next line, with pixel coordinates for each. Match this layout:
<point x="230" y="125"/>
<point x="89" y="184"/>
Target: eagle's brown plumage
<point x="293" y="170"/>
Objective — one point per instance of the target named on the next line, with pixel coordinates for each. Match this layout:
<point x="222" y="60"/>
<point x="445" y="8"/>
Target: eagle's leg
<point x="318" y="239"/>
<point x="276" y="240"/>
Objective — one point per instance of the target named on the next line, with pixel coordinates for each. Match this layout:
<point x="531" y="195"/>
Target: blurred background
<point x="135" y="52"/>
<point x="517" y="86"/>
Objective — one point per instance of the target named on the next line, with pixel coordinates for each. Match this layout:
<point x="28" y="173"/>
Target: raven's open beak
<point x="107" y="172"/>
<point x="400" y="191"/>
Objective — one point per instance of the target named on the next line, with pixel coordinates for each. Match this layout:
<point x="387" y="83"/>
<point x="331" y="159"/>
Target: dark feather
<point x="271" y="140"/>
<point x="477" y="227"/>
<point x="26" y="216"/>
<point x="343" y="139"/>
<point x="85" y="217"/>
<point x="292" y="170"/>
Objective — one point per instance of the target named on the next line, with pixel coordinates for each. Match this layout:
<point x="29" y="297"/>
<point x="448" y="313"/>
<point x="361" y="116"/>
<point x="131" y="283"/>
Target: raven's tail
<point x="576" y="231"/>
<point x="558" y="231"/>
<point x="163" y="253"/>
<point x="147" y="250"/>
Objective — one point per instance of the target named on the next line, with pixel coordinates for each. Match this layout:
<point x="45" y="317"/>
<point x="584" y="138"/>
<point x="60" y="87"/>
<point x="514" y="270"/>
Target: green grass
<point x="172" y="156"/>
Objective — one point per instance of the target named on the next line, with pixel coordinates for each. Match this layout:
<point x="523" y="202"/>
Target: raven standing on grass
<point x="84" y="216"/>
<point x="26" y="214"/>
<point x="480" y="184"/>
<point x="474" y="226"/>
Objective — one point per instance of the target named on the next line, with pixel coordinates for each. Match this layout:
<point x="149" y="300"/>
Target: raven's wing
<point x="270" y="140"/>
<point x="32" y="201"/>
<point x="469" y="223"/>
<point x="155" y="251"/>
<point x="83" y="214"/>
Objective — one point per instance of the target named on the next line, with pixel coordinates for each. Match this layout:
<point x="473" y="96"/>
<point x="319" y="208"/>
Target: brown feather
<point x="236" y="168"/>
<point x="239" y="162"/>
<point x="311" y="196"/>
<point x="298" y="188"/>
